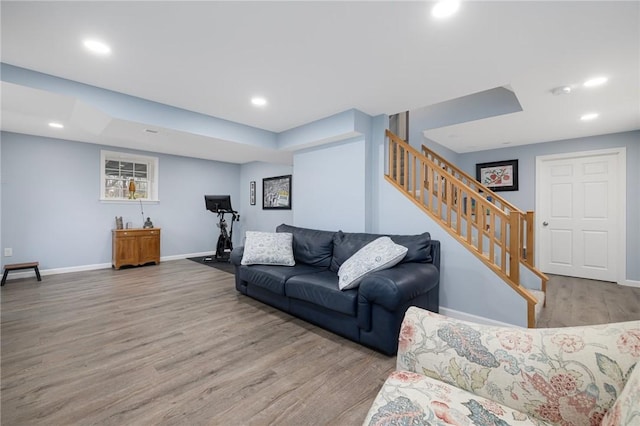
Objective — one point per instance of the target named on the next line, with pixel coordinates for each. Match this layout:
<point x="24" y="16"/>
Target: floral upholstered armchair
<point x="456" y="372"/>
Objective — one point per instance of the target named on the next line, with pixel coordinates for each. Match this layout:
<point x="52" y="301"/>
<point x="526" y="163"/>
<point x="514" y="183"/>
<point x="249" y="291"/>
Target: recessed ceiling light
<point x="258" y="101"/>
<point x="561" y="90"/>
<point x="97" y="46"/>
<point x="595" y="81"/>
<point x="56" y="125"/>
<point x="445" y="8"/>
<point x="590" y="116"/>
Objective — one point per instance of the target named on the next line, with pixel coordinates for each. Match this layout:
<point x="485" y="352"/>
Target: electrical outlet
<point x="8" y="252"/>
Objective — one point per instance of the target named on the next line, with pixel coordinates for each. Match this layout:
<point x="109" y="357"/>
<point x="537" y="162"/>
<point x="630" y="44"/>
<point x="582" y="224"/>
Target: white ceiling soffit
<point x="27" y="110"/>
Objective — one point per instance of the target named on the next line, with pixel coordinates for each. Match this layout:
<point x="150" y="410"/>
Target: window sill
<point x="127" y="201"/>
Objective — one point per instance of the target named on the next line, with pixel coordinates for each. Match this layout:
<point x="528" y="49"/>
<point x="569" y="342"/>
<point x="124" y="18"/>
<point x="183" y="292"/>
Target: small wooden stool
<point x="19" y="266"/>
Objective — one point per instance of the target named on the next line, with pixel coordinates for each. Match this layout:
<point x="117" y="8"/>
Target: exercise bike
<point x="225" y="245"/>
<point x="221" y="205"/>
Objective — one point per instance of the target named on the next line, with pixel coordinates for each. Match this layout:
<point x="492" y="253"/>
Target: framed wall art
<point x="498" y="175"/>
<point x="276" y="193"/>
<point x="252" y="192"/>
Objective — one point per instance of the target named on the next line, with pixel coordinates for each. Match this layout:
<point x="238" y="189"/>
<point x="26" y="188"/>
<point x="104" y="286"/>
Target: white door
<point x="579" y="199"/>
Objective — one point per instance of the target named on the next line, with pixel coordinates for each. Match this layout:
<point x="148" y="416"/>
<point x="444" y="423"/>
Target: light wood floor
<point x="175" y="344"/>
<point x="172" y="344"/>
<point x="576" y="301"/>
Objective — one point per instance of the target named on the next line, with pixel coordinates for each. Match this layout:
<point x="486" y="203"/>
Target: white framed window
<point x="117" y="172"/>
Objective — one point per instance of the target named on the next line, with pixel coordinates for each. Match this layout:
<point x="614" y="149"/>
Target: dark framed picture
<point x="252" y="192"/>
<point x="276" y="193"/>
<point x="498" y="175"/>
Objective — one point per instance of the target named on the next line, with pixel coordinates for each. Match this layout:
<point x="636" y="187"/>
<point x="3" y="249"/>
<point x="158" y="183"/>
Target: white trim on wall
<point x="472" y="318"/>
<point x="632" y="283"/>
<point x="152" y="164"/>
<point x="94" y="267"/>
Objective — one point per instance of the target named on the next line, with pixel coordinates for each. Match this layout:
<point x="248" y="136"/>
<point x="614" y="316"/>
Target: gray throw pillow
<point x="268" y="248"/>
<point x="379" y="254"/>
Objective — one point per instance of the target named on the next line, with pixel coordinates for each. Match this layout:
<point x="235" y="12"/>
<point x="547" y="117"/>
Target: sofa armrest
<point x="392" y="287"/>
<point x="556" y="375"/>
<point x="236" y="255"/>
<point x="435" y="253"/>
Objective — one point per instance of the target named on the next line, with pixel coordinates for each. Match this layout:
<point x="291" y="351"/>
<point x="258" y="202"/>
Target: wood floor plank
<point x="172" y="344"/>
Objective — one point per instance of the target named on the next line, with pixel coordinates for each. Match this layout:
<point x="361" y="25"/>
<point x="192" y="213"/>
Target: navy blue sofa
<point x="370" y="314"/>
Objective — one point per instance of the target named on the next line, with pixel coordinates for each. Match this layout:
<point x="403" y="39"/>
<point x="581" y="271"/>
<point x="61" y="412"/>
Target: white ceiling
<point x="315" y="59"/>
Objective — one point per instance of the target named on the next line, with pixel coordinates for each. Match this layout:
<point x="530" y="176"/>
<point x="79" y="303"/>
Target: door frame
<point x="621" y="239"/>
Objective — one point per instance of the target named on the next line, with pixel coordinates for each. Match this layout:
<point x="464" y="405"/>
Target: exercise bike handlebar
<point x="222" y="212"/>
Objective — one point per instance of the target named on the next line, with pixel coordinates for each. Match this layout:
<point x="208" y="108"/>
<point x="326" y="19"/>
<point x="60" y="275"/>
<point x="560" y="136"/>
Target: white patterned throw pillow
<point x="379" y="254"/>
<point x="268" y="248"/>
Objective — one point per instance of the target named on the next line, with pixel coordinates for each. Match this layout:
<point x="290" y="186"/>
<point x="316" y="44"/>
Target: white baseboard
<point x="631" y="283"/>
<point x="185" y="256"/>
<point x="472" y="318"/>
<point x="54" y="271"/>
<point x="31" y="273"/>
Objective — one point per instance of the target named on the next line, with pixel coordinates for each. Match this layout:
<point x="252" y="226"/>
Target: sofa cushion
<point x="322" y="289"/>
<point x="625" y="411"/>
<point x="381" y="253"/>
<point x="310" y="246"/>
<point x="268" y="248"/>
<point x="272" y="277"/>
<point x="412" y="398"/>
<point x="346" y="244"/>
<point x="568" y="375"/>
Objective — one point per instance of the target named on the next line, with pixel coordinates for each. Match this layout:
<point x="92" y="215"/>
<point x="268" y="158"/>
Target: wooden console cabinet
<point x="135" y="247"/>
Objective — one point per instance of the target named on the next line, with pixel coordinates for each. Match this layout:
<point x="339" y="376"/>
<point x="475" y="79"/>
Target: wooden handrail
<point x="526" y="219"/>
<point x="450" y="201"/>
<point x="472" y="181"/>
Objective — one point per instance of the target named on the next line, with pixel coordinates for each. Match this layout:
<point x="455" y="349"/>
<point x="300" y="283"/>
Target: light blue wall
<point x="2" y="260"/>
<point x="51" y="212"/>
<point x="329" y="182"/>
<point x="330" y="186"/>
<point x="466" y="285"/>
<point x="329" y="129"/>
<point x="377" y="149"/>
<point x="253" y="218"/>
<point x="524" y="198"/>
<point x="488" y="103"/>
<point x="441" y="150"/>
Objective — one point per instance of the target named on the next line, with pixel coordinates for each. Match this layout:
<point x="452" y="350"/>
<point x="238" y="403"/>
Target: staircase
<point x="493" y="229"/>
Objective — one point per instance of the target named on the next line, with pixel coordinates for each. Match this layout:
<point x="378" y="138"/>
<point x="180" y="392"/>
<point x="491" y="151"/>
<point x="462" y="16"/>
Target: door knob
<point x="545" y="223"/>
